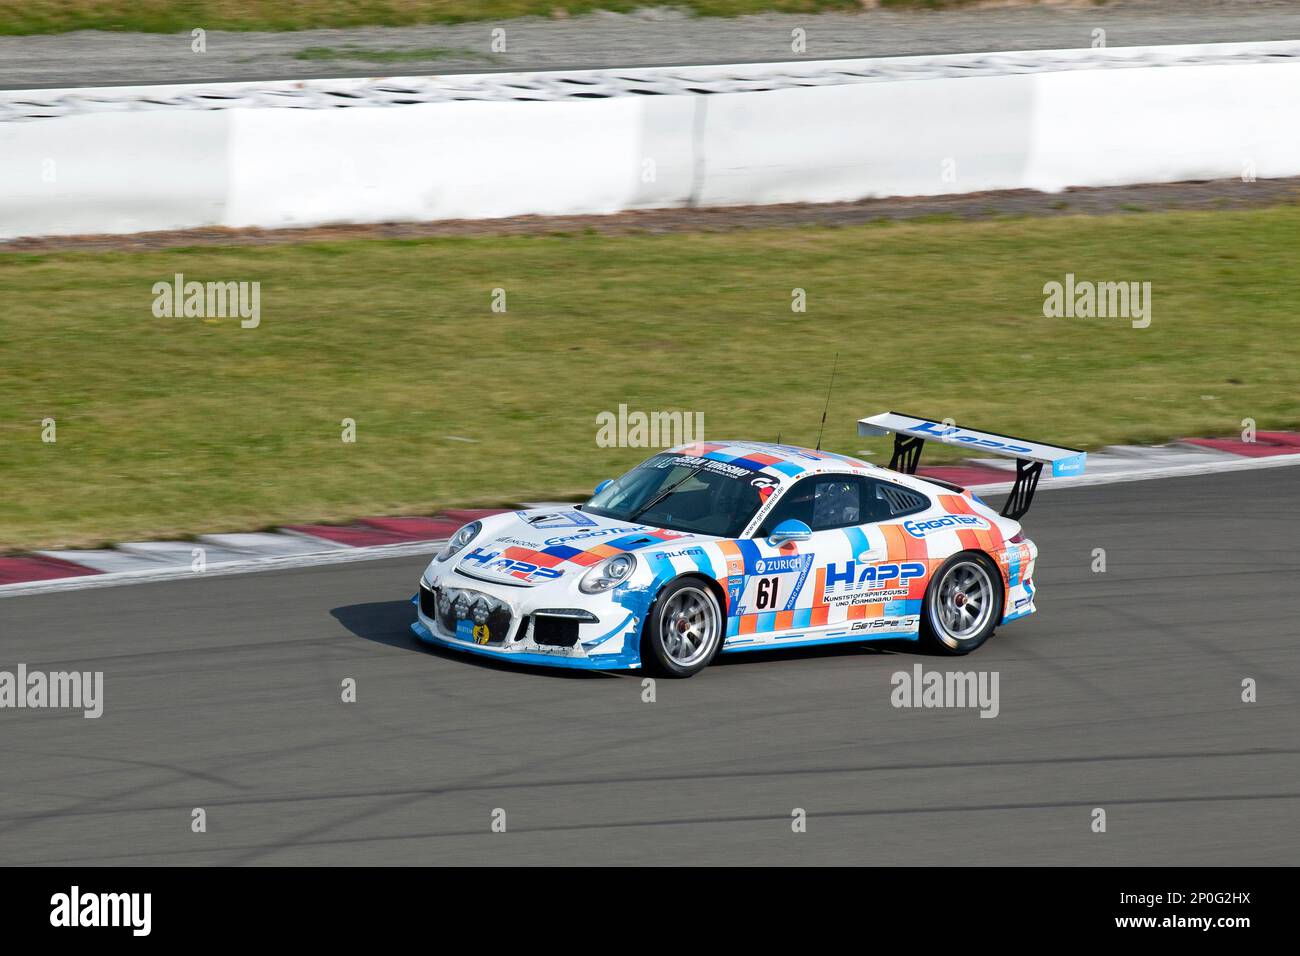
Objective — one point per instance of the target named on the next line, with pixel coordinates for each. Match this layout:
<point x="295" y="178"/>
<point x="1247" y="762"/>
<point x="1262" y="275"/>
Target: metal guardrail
<point x="23" y="105"/>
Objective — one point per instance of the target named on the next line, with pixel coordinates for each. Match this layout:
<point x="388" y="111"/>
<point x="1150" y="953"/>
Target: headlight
<point x="608" y="573"/>
<point x="461" y="538"/>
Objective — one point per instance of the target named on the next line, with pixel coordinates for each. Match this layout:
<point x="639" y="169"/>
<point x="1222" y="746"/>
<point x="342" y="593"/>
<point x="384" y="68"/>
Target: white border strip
<point x="381" y="551"/>
<point x="540" y="85"/>
<point x="375" y="552"/>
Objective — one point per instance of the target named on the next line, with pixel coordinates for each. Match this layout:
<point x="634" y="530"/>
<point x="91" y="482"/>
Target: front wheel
<point x="962" y="605"/>
<point x="683" y="630"/>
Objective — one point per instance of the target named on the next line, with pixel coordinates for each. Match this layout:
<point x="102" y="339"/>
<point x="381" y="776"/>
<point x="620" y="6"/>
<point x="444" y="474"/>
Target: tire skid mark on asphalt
<point x="689" y="778"/>
<point x="1054" y="666"/>
<point x="398" y="799"/>
<point x="780" y="818"/>
<point x="1184" y="637"/>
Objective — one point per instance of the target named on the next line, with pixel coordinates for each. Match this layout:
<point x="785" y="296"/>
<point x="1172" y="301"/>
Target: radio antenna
<point x="834" y="365"/>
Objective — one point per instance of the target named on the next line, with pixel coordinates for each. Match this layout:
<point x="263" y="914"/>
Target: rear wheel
<point x="962" y="605"/>
<point x="683" y="631"/>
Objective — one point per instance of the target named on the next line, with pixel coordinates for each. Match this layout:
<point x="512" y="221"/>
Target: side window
<point x="837" y="502"/>
<point x="821" y="502"/>
<point x="889" y="500"/>
<point x="795" y="504"/>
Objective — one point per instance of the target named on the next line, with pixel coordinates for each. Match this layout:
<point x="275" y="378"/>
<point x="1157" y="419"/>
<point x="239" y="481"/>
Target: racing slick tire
<point x="683" y="631"/>
<point x="962" y="605"/>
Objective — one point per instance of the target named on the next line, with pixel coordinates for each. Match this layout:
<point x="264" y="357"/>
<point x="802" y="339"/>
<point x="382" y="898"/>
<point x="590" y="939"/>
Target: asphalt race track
<point x="650" y="37"/>
<point x="1123" y="693"/>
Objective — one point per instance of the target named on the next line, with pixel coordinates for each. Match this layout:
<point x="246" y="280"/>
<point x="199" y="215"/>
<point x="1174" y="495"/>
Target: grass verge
<point x="23" y="17"/>
<point x="172" y="426"/>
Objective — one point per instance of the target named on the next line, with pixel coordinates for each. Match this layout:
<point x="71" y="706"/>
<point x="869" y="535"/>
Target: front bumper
<point x="545" y="626"/>
<point x="547" y="659"/>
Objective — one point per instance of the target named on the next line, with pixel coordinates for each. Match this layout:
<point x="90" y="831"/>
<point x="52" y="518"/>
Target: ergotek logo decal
<point x="854" y="583"/>
<point x="956" y="434"/>
<point x="599" y="533"/>
<point x="919" y="529"/>
<point x="523" y="570"/>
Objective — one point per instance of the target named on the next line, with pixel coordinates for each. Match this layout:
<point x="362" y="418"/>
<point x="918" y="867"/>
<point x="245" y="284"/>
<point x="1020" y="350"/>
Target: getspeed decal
<point x="919" y="529"/>
<point x="885" y="624"/>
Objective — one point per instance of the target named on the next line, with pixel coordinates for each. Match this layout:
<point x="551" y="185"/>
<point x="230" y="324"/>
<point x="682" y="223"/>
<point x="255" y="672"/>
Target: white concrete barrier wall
<point x="114" y="173"/>
<point x="169" y="168"/>
<point x="455" y="161"/>
<point x="1116" y="127"/>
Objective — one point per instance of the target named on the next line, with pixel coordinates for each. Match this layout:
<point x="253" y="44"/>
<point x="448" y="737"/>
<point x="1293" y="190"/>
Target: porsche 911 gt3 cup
<point x="726" y="547"/>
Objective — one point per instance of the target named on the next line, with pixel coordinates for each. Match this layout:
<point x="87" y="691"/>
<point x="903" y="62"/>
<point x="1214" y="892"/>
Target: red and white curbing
<point x="377" y="538"/>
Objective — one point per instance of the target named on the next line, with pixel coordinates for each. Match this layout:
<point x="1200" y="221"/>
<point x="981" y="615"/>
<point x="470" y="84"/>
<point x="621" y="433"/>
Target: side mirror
<point x="602" y="486"/>
<point x="791" y="529"/>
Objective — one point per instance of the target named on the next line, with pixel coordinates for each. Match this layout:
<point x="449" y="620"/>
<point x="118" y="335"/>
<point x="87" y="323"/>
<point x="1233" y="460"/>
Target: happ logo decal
<point x="872" y="575"/>
<point x="957" y="434"/>
<point x="524" y="570"/>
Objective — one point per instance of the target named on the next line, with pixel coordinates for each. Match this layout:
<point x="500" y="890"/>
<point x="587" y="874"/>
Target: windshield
<point x="684" y="493"/>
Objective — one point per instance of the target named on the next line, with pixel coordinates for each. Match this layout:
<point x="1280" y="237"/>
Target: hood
<point x="527" y="548"/>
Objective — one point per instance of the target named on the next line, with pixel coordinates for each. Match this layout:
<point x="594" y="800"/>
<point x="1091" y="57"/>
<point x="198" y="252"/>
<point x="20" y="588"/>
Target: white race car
<point x="742" y="546"/>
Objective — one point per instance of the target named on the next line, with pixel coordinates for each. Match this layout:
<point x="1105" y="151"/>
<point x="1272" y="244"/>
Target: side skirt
<point x="804" y="640"/>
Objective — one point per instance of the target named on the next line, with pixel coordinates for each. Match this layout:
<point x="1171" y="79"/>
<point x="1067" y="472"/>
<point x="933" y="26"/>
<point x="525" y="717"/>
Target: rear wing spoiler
<point x="911" y="433"/>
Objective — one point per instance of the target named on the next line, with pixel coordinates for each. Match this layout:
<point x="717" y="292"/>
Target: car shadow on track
<point x="816" y="652"/>
<point x="389" y="623"/>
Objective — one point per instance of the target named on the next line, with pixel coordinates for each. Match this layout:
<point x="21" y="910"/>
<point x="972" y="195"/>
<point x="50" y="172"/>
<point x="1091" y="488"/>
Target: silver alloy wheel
<point x="688" y="626"/>
<point x="964" y="601"/>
